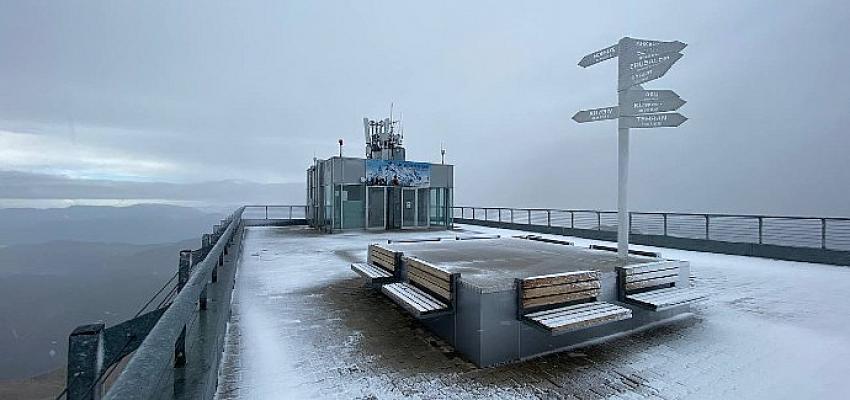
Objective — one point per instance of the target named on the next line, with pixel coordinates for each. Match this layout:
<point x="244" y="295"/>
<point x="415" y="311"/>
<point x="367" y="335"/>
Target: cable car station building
<point x="382" y="191"/>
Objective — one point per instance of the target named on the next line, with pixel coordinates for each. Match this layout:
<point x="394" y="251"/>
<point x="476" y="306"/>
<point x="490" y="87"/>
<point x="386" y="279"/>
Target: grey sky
<point x="192" y="92"/>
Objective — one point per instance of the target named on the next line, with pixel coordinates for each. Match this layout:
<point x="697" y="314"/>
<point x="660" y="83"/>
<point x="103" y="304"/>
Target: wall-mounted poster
<point x="398" y="173"/>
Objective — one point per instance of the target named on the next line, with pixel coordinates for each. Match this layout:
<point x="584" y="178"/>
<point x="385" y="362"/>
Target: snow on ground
<point x="304" y="327"/>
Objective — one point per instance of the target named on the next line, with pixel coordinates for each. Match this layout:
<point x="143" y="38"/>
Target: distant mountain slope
<point x="139" y="224"/>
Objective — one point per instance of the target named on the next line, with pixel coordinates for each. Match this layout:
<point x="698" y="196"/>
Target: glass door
<point x="408" y="208"/>
<point x="422" y="206"/>
<point x="376" y="211"/>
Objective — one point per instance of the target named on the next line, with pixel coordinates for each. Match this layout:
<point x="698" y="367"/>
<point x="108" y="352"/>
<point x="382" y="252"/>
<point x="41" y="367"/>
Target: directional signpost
<point x="640" y="61"/>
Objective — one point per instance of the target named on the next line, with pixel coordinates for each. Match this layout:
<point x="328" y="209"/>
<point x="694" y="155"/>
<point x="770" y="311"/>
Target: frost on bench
<point x="565" y="302"/>
<point x="427" y="291"/>
<point x="653" y="286"/>
<point x="381" y="266"/>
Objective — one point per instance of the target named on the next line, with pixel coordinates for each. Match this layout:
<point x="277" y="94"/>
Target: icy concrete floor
<point x="304" y="327"/>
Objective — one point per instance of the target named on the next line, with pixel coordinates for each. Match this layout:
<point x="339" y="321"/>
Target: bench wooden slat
<point x="650" y="267"/>
<point x="598" y="319"/>
<point x="667" y="299"/>
<point x="439" y="289"/>
<point x="404" y="298"/>
<point x="559" y="279"/>
<point x="652" y="282"/>
<point x="385" y="259"/>
<point x="582" y="316"/>
<point x="560" y="289"/>
<point x="378" y="249"/>
<point x="429" y="273"/>
<point x="413" y="299"/>
<point x="563" y="310"/>
<point x="560" y="298"/>
<point x="427" y="302"/>
<point x="370" y="271"/>
<point x="651" y="275"/>
<point x="427" y="268"/>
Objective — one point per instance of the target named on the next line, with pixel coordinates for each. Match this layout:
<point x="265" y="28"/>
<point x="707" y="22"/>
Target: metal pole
<point x="572" y="220"/>
<point x="823" y="233"/>
<point x="529" y="216"/>
<point x="706" y="227"/>
<point x="500" y="215"/>
<point x="267" y="212"/>
<point x="665" y="224"/>
<point x="549" y="218"/>
<point x="622" y="187"/>
<point x="761" y="229"/>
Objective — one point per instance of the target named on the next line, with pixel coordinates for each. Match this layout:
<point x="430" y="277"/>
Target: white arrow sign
<point x="597" y="114"/>
<point x="662" y="120"/>
<point x="636" y="102"/>
<point x="647" y="74"/>
<point x="599" y="56"/>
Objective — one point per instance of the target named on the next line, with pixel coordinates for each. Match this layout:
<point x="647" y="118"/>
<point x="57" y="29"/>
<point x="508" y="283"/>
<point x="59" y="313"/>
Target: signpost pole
<point x="622" y="193"/>
<point x="639" y="61"/>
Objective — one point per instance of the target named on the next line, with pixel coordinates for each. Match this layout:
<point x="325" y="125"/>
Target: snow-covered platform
<point x="517" y="298"/>
<point x="304" y="326"/>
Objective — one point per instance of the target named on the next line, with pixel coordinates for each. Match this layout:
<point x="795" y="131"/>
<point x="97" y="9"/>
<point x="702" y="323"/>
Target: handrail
<point x="718" y="215"/>
<point x="826" y="233"/>
<point x="156" y="352"/>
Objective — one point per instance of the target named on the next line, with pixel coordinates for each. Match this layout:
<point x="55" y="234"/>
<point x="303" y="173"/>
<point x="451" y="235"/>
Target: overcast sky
<point x="187" y="92"/>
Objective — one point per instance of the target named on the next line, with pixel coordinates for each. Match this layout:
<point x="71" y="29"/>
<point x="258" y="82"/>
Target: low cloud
<point x="15" y="185"/>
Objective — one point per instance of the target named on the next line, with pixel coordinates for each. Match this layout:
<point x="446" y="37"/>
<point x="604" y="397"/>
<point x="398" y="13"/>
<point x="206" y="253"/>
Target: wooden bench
<point x="381" y="265"/>
<point x="653" y="286"/>
<point x="427" y="291"/>
<point x="565" y="302"/>
<point x="644" y="253"/>
<point x="477" y="237"/>
<point x="539" y="238"/>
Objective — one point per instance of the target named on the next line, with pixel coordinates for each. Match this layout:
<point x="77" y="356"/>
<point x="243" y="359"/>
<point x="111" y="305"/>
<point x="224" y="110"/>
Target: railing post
<point x="706" y="227"/>
<point x="500" y="215"/>
<point x="85" y="362"/>
<point x="598" y="221"/>
<point x="529" y="216"/>
<point x="549" y="218"/>
<point x="486" y="215"/>
<point x="761" y="229"/>
<point x="290" y="213"/>
<point x="267" y="212"/>
<point x="512" y="215"/>
<point x="823" y="233"/>
<point x="182" y="277"/>
<point x="665" y="224"/>
<point x="473" y="213"/>
<point x="631" y="227"/>
<point x="572" y="220"/>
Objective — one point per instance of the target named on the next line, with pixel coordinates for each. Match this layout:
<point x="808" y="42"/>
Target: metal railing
<point x="828" y="233"/>
<point x="275" y="212"/>
<point x="161" y="348"/>
<point x="179" y="331"/>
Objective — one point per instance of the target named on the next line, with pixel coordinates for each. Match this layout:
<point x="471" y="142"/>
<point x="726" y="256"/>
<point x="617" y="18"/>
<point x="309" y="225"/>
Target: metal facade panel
<point x="468" y="328"/>
<point x="499" y="328"/>
<point x="442" y="175"/>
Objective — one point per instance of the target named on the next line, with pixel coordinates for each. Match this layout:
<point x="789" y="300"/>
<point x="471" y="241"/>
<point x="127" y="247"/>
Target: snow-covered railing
<point x="760" y="235"/>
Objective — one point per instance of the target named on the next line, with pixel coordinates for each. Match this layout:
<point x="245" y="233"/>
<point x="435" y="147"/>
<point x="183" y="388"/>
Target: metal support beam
<point x="183" y="272"/>
<point x="85" y="362"/>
